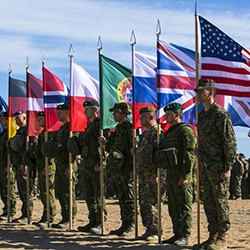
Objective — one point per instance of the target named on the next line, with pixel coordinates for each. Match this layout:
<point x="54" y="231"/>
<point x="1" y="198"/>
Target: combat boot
<point x="220" y="243"/>
<point x="204" y="245"/>
<point x="97" y="229"/>
<point x="128" y="231"/>
<point x="181" y="242"/>
<point x="120" y="230"/>
<point x="87" y="227"/>
<point x="171" y="240"/>
<point x="149" y="235"/>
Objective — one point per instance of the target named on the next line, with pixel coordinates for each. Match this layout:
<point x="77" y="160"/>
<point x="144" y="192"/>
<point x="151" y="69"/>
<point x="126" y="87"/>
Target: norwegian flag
<point x="34" y="104"/>
<point x="55" y="93"/>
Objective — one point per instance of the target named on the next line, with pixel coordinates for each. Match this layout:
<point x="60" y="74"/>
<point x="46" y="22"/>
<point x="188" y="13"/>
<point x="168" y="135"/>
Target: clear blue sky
<point x="29" y="28"/>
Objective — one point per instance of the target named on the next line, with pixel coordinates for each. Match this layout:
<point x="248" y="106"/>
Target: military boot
<point x="120" y="230"/>
<point x="204" y="245"/>
<point x="87" y="227"/>
<point x="129" y="229"/>
<point x="220" y="243"/>
<point x="97" y="229"/>
<point x="181" y="242"/>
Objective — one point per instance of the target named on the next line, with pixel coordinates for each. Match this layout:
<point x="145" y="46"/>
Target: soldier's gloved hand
<point x="23" y="169"/>
<point x="154" y="180"/>
<point x="225" y="174"/>
<point x="133" y="151"/>
<point x="182" y="181"/>
<point x="102" y="140"/>
<point x="97" y="168"/>
<point x="6" y="170"/>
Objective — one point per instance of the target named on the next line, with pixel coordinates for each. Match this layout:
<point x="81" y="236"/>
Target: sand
<point x="23" y="236"/>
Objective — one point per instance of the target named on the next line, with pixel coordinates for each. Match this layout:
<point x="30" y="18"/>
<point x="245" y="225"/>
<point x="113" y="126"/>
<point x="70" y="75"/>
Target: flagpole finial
<point x="10" y="67"/>
<point x="27" y="63"/>
<point x="99" y="43"/>
<point x="71" y="52"/>
<point x="195" y="10"/>
<point x="132" y="38"/>
<point x="158" y="29"/>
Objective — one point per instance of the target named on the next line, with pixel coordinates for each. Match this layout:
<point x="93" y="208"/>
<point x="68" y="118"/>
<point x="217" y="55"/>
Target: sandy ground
<point x="20" y="236"/>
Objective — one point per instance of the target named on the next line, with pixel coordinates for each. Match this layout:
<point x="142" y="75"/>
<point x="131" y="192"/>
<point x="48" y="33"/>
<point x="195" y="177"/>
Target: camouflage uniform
<point x="217" y="150"/>
<point x="3" y="177"/>
<point x="236" y="178"/>
<point x="62" y="180"/>
<point x="121" y="140"/>
<point x="244" y="183"/>
<point x="16" y="158"/>
<point x="148" y="191"/>
<point x="90" y="153"/>
<point x="181" y="138"/>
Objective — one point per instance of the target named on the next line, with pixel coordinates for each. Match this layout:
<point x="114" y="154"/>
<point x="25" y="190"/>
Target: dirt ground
<point x="23" y="236"/>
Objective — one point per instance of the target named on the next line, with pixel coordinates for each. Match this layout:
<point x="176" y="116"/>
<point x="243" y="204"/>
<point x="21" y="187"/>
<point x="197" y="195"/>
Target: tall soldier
<point x="57" y="149"/>
<point x="120" y="159"/>
<point x="3" y="172"/>
<point x="17" y="149"/>
<point x="176" y="154"/>
<point x="89" y="149"/>
<point x="148" y="173"/>
<point x="34" y="158"/>
<point x="217" y="150"/>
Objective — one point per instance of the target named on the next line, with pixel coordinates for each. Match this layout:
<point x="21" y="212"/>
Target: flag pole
<point x="28" y="180"/>
<point x="133" y="43"/>
<point x="46" y="160"/>
<point x="99" y="48"/>
<point x="197" y="112"/>
<point x="8" y="157"/>
<point x="158" y="34"/>
<point x="71" y="55"/>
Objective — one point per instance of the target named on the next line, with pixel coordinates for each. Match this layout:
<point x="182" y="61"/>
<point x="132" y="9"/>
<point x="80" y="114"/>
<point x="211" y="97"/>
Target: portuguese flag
<point x="115" y="87"/>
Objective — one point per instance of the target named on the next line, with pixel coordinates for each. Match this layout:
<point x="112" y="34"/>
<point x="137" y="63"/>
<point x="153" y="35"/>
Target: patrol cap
<point x="205" y="83"/>
<point x="121" y="107"/>
<point x="41" y="113"/>
<point x="147" y="109"/>
<point x="4" y="114"/>
<point x="173" y="106"/>
<point x="19" y="112"/>
<point x="90" y="103"/>
<point x="62" y="107"/>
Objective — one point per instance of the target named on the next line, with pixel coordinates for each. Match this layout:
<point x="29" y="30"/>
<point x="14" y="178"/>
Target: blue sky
<point x="27" y="28"/>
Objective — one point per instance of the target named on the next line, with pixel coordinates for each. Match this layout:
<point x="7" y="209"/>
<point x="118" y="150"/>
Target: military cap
<point x="19" y="112"/>
<point x="147" y="109"/>
<point x="90" y="103"/>
<point x="173" y="106"/>
<point x="205" y="83"/>
<point x="4" y="114"/>
<point x="17" y="143"/>
<point x="73" y="146"/>
<point x="62" y="107"/>
<point x="115" y="159"/>
<point x="41" y="113"/>
<point x="121" y="107"/>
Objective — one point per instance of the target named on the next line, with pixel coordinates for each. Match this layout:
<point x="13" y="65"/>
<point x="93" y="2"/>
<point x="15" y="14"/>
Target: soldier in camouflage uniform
<point x="236" y="178"/>
<point x="17" y="149"/>
<point x="57" y="149"/>
<point x="176" y="154"/>
<point x="34" y="158"/>
<point x="120" y="159"/>
<point x="217" y="150"/>
<point x="148" y="173"/>
<point x="3" y="172"/>
<point x="89" y="148"/>
<point x="244" y="183"/>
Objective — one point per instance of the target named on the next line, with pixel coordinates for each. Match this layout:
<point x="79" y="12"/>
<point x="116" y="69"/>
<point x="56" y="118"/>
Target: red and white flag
<point x="83" y="88"/>
<point x="34" y="104"/>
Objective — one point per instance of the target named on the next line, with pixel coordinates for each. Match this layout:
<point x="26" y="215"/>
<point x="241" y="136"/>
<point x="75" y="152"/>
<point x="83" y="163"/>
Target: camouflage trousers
<point x="4" y="191"/>
<point x="125" y="193"/>
<point x="22" y="190"/>
<point x="148" y="199"/>
<point x="43" y="193"/>
<point x="244" y="188"/>
<point x="235" y="186"/>
<point x="62" y="190"/>
<point x="91" y="183"/>
<point x="215" y="200"/>
<point x="180" y="203"/>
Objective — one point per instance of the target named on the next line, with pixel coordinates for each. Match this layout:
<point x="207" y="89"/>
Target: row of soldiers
<point x="173" y="152"/>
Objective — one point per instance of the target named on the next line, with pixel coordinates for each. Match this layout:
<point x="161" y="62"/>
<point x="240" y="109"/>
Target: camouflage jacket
<point x="238" y="169"/>
<point x="147" y="138"/>
<point x="3" y="148"/>
<point x="216" y="137"/>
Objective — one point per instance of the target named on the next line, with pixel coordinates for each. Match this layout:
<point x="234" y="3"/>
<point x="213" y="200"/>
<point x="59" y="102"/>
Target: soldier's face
<point x="171" y="116"/>
<point x="41" y="121"/>
<point x="89" y="111"/>
<point x="144" y="119"/>
<point x="20" y="119"/>
<point x="62" y="115"/>
<point x="203" y="95"/>
<point x="4" y="121"/>
<point x="118" y="116"/>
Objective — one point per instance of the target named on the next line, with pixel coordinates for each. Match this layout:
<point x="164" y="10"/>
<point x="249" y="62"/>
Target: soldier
<point x="148" y="173"/>
<point x="3" y="172"/>
<point x="34" y="158"/>
<point x="120" y="159"/>
<point x="17" y="149"/>
<point x="57" y="149"/>
<point x="89" y="149"/>
<point x="244" y="183"/>
<point x="217" y="150"/>
<point x="176" y="154"/>
<point x="236" y="178"/>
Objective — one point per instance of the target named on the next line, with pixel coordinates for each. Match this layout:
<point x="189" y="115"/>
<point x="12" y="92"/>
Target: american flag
<point x="224" y="60"/>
